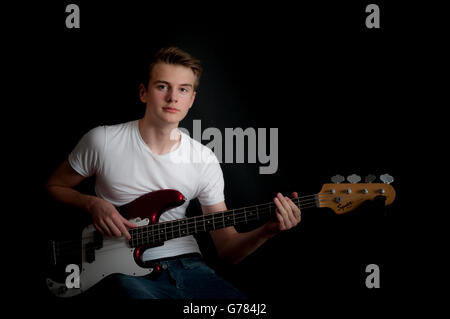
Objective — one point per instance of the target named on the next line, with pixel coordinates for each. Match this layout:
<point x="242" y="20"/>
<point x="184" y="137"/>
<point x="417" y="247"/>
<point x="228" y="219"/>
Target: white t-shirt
<point x="125" y="168"/>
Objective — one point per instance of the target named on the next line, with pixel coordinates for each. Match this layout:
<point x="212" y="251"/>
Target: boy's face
<point x="169" y="94"/>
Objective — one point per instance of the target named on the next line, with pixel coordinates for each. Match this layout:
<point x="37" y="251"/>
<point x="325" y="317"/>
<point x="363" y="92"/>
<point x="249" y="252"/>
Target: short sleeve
<point x="87" y="154"/>
<point x="211" y="186"/>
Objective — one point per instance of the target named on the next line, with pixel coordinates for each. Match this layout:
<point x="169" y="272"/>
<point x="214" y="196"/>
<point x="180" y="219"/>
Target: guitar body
<point x="101" y="257"/>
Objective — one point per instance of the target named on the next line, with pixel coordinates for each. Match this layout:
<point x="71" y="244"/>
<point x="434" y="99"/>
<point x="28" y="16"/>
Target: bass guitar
<point x="102" y="256"/>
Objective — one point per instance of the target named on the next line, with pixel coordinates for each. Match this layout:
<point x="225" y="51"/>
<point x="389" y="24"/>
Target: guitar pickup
<point x="90" y="248"/>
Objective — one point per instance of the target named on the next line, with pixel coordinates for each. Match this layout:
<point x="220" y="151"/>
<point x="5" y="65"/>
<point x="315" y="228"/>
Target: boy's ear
<point x="143" y="93"/>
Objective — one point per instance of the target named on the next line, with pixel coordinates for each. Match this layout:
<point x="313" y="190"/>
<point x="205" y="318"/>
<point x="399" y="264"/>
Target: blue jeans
<point x="180" y="278"/>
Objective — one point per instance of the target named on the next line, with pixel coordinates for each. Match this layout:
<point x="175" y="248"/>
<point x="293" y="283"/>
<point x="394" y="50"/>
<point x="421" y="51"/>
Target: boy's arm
<point x="106" y="219"/>
<point x="233" y="246"/>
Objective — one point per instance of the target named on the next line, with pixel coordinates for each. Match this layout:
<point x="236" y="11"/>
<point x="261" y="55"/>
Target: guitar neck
<point x="158" y="233"/>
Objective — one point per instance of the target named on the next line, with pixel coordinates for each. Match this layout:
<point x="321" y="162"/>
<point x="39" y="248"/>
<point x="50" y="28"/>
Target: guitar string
<point x="245" y="210"/>
<point x="63" y="244"/>
<point x="317" y="198"/>
<point x="67" y="250"/>
<point x="248" y="208"/>
<point x="320" y="197"/>
<point x="236" y="217"/>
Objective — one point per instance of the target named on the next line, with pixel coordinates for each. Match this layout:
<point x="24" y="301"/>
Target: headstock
<point x="345" y="197"/>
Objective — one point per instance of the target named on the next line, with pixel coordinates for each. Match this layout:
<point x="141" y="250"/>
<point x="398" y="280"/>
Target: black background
<point x="341" y="96"/>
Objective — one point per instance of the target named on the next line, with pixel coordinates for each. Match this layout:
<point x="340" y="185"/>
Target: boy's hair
<point x="174" y="55"/>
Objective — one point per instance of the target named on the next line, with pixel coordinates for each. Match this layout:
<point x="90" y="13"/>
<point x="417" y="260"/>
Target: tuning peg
<point x="370" y="178"/>
<point x="337" y="179"/>
<point x="353" y="178"/>
<point x="386" y="178"/>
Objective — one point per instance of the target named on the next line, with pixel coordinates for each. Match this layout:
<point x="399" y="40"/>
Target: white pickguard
<point x="116" y="256"/>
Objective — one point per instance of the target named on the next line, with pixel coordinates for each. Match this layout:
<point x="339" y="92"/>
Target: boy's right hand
<point x="107" y="220"/>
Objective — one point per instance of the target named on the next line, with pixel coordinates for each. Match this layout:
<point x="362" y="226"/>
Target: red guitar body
<point x="151" y="206"/>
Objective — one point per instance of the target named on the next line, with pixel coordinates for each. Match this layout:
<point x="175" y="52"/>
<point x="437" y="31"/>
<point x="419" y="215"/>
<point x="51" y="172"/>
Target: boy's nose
<point x="171" y="97"/>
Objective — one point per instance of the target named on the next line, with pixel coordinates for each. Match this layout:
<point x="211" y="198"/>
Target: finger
<point x="120" y="225"/>
<point x="279" y="204"/>
<point x="290" y="209"/>
<point x="295" y="210"/>
<point x="113" y="228"/>
<point x="284" y="210"/>
<point x="295" y="207"/>
<point x="285" y="202"/>
<point x="127" y="223"/>
<point x="105" y="228"/>
<point x="291" y="212"/>
<point x="281" y="221"/>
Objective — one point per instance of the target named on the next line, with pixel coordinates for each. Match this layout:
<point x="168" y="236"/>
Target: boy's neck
<point x="160" y="140"/>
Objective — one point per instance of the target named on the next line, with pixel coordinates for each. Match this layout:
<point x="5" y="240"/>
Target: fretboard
<point x="158" y="233"/>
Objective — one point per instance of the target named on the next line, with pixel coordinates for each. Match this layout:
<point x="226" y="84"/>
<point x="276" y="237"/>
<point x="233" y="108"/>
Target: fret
<point x="161" y="232"/>
<point x="218" y="222"/>
<point x="148" y="233"/>
<point x="266" y="211"/>
<point x="176" y="228"/>
<point x="213" y="221"/>
<point x="209" y="222"/>
<point x="195" y="224"/>
<point x="135" y="239"/>
<point x="272" y="209"/>
<point x="228" y="220"/>
<point x="203" y="221"/>
<point x="169" y="230"/>
<point x="250" y="214"/>
<point x="133" y="236"/>
<point x="183" y="228"/>
<point x="143" y="235"/>
<point x="140" y="236"/>
<point x="245" y="216"/>
<point x="139" y="239"/>
<point x="223" y="219"/>
<point x="154" y="233"/>
<point x="191" y="226"/>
